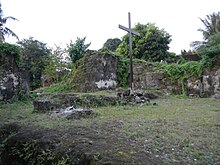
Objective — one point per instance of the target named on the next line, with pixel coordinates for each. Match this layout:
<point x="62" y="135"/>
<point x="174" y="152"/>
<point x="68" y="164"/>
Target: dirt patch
<point x="102" y="144"/>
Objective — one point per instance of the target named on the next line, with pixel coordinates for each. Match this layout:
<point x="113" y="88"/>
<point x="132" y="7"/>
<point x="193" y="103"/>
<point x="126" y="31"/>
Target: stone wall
<point x="95" y="72"/>
<point x="9" y="78"/>
<point x="208" y="85"/>
<point x="146" y="76"/>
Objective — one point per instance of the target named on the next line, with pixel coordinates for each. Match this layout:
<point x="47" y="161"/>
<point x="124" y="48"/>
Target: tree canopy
<point x="211" y="27"/>
<point x="152" y="45"/>
<point x="112" y="44"/>
<point x="78" y="49"/>
<point x="212" y="47"/>
<point x="35" y="56"/>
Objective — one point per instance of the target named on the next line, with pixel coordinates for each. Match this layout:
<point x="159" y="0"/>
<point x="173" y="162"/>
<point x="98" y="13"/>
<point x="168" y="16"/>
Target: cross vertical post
<point x="130" y="53"/>
<point x="130" y="31"/>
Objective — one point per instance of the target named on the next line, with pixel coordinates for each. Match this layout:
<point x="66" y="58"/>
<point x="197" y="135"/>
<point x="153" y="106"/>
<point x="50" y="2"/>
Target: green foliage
<point x="186" y="70"/>
<point x="122" y="71"/>
<point x="171" y="57"/>
<point x="58" y="67"/>
<point x="78" y="49"/>
<point x="9" y="49"/>
<point x="212" y="47"/>
<point x="112" y="44"/>
<point x="152" y="45"/>
<point x="63" y="86"/>
<point x="35" y="57"/>
<point x="212" y="25"/>
<point x="214" y="39"/>
<point x="183" y="71"/>
<point x="32" y="153"/>
<point x="211" y="51"/>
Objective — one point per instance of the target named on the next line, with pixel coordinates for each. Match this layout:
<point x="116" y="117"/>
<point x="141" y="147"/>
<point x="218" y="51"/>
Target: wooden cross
<point x="130" y="31"/>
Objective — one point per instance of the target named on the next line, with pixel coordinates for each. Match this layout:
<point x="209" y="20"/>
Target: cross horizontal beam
<point x="128" y="30"/>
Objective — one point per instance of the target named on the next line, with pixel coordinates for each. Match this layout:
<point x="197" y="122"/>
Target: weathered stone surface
<point x="73" y="113"/>
<point x="208" y="85"/>
<point x="151" y="95"/>
<point x="24" y="81"/>
<point x="95" y="72"/>
<point x="147" y="76"/>
<point x="43" y="105"/>
<point x="194" y="87"/>
<point x="9" y="78"/>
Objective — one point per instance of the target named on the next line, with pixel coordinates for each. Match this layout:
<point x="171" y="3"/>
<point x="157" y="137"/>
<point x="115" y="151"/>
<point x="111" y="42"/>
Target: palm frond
<point x="10" y="32"/>
<point x="5" y="19"/>
<point x="211" y="25"/>
<point x="197" y="44"/>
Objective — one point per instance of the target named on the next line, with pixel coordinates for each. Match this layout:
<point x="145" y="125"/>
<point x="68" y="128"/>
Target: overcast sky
<point x="59" y="21"/>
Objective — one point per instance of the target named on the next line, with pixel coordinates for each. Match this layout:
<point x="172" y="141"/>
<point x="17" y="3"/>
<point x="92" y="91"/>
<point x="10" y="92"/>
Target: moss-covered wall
<point x="206" y="84"/>
<point x="95" y="72"/>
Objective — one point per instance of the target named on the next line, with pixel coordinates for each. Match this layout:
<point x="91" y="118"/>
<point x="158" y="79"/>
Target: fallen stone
<point x="73" y="113"/>
<point x="151" y="95"/>
<point x="80" y="113"/>
<point x="138" y="93"/>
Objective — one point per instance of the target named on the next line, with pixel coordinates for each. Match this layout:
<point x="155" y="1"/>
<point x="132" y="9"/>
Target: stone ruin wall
<point x="147" y="77"/>
<point x="97" y="72"/>
<point x="9" y="78"/>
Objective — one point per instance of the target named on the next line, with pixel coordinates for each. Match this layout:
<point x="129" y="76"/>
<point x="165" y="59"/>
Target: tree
<point x="58" y="65"/>
<point x="35" y="56"/>
<point x="112" y="44"/>
<point x="212" y="47"/>
<point x="212" y="26"/>
<point x="152" y="45"/>
<point x="78" y="49"/>
<point x="3" y="29"/>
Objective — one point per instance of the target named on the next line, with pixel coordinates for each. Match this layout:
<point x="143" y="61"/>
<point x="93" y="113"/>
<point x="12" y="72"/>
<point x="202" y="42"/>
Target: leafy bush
<point x="9" y="49"/>
<point x="210" y="51"/>
<point x="78" y="49"/>
<point x="184" y="70"/>
<point x="212" y="48"/>
<point x="122" y="71"/>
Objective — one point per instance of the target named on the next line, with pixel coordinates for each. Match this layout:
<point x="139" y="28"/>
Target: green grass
<point x="176" y="130"/>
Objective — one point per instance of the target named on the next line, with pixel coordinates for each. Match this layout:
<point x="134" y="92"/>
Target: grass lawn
<point x="175" y="131"/>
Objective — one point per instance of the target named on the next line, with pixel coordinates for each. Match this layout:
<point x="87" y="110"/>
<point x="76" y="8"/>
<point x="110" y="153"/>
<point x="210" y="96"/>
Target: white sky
<point x="59" y="21"/>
